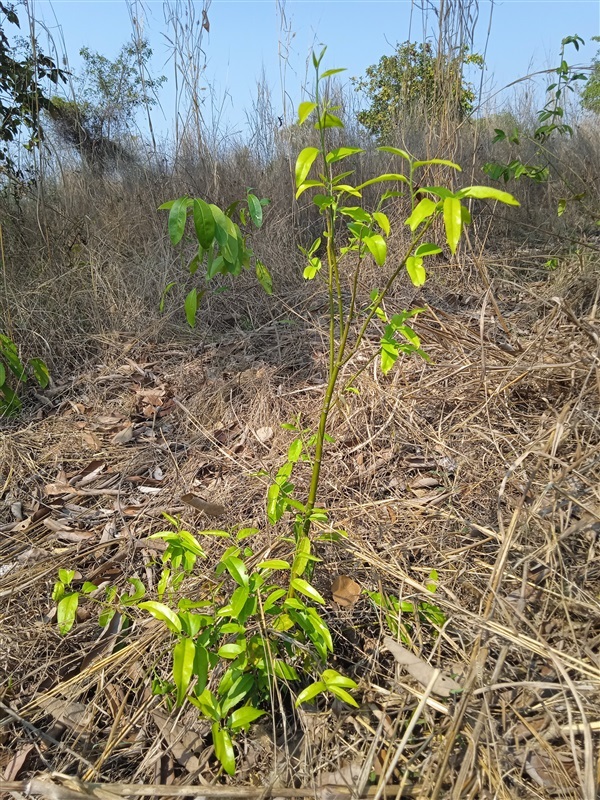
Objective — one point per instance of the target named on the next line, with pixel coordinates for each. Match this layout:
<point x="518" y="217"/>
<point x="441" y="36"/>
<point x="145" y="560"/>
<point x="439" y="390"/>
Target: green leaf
<point x="377" y="248"/>
<point x="304" y="587"/>
<point x="562" y="204"/>
<point x="232" y="650"/>
<point x="238" y="600"/>
<point x="294" y="451"/>
<point x="443" y="161"/>
<point x="488" y="193"/>
<point x="329" y="72"/>
<point x="383" y="222"/>
<point x="304" y="162"/>
<point x="207" y="703"/>
<point x="204" y="223"/>
<point x="273" y="563"/>
<point x="183" y="666"/>
<point x="200" y="667"/>
<point x="310" y="692"/>
<point x="223" y="748"/>
<point x="242" y="717"/>
<point x="395" y="151"/>
<point x="341" y="152"/>
<point x="177" y="219"/>
<point x="164" y="294"/>
<point x="389" y="353"/>
<point x="2" y="375"/>
<point x="388" y="176"/>
<point x="237" y="569"/>
<point x="163" y="613"/>
<point x="284" y="671"/>
<point x="255" y="209"/>
<point x="66" y="611"/>
<point x="307" y="185"/>
<point x="333" y="678"/>
<point x="343" y="695"/>
<point x="356" y="213"/>
<point x="40" y="371"/>
<point x="191" y="307"/>
<point x="452" y="222"/>
<point x="422" y="211"/>
<point x="427" y="249"/>
<point x="328" y="120"/>
<point x="416" y="270"/>
<point x="66" y="575"/>
<point x="305" y="109"/>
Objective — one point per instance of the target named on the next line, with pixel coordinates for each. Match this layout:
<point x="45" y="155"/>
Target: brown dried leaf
<point x="15" y="765"/>
<point x="74" y="715"/>
<point x="92" y="441"/>
<point x="420" y="670"/>
<point x="183" y="744"/>
<point x="425" y="482"/>
<point x="264" y="434"/>
<point x="210" y="509"/>
<point x="123" y="436"/>
<point x="345" y="591"/>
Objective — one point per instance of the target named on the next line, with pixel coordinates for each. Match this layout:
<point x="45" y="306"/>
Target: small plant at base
<point x="393" y="609"/>
<point x="550" y="123"/>
<point x="222" y="249"/>
<point x="10" y="363"/>
<point x="229" y="648"/>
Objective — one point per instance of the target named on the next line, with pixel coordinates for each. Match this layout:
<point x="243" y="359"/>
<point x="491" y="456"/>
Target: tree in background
<point x="107" y="95"/>
<point x="590" y="96"/>
<point x="22" y="71"/>
<point x="415" y="78"/>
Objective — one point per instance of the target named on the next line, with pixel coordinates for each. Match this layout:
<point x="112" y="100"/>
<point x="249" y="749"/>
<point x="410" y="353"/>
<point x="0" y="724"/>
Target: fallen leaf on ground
<point x="124" y="436"/>
<point x="420" y="670"/>
<point x="345" y="591"/>
<point x="264" y="434"/>
<point x="74" y="715"/>
<point x="183" y="744"/>
<point x="210" y="509"/>
<point x="15" y="765"/>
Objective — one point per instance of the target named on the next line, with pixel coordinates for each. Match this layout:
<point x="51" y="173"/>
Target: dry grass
<point x="482" y="465"/>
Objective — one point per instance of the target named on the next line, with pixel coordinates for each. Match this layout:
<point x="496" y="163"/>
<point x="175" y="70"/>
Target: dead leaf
<point x="123" y="436"/>
<point x="15" y="765"/>
<point x="183" y="744"/>
<point x="54" y="489"/>
<point x="345" y="591"/>
<point x="210" y="509"/>
<point x="74" y="715"/>
<point x="92" y="441"/>
<point x="264" y="434"/>
<point x="425" y="482"/>
<point x="420" y="670"/>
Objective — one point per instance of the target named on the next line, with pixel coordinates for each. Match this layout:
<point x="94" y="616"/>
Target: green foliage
<point x="13" y="374"/>
<point x="551" y="123"/>
<point x="21" y="94"/>
<point x="231" y="646"/>
<point x="222" y="249"/>
<point x="590" y="96"/>
<point x="398" y="613"/>
<point x="258" y="622"/>
<point x="414" y="78"/>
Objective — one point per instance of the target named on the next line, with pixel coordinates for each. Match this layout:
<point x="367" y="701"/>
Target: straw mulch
<point x="483" y="465"/>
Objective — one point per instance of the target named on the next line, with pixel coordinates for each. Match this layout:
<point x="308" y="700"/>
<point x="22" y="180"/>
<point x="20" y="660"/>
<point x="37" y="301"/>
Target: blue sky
<point x="244" y="35"/>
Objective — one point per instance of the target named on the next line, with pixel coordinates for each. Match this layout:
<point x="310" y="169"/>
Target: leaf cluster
<point x="222" y="249"/>
<point x="11" y="366"/>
